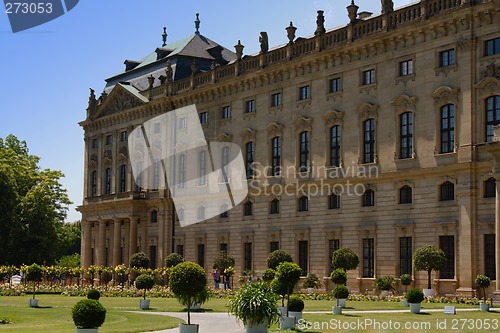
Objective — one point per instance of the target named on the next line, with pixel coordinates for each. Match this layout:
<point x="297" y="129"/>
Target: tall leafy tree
<point x="33" y="205"/>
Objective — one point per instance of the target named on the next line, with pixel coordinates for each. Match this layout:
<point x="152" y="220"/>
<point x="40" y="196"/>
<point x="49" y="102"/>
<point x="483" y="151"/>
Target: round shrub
<point x="268" y="275"/>
<point x="173" y="259"/>
<point x="405" y="279"/>
<point x="483" y="282"/>
<point x="145" y="282"/>
<point x="277" y="257"/>
<point x="88" y="313"/>
<point x="340" y="292"/>
<point x="295" y="304"/>
<point x="415" y="296"/>
<point x="34" y="273"/>
<point x="139" y="260"/>
<point x="338" y="276"/>
<point x="345" y="258"/>
<point x="93" y="294"/>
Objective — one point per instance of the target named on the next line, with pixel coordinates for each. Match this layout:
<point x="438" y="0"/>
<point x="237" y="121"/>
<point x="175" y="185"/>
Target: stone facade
<point x="395" y="110"/>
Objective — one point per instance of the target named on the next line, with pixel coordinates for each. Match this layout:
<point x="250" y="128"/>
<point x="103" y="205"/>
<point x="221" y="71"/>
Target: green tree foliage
<point x="345" y="258"/>
<point x="72" y="260"/>
<point x="33" y="206"/>
<point x="277" y="257"/>
<point x="223" y="261"/>
<point x="69" y="237"/>
<point x="173" y="259"/>
<point x="428" y="258"/>
<point x="139" y="260"/>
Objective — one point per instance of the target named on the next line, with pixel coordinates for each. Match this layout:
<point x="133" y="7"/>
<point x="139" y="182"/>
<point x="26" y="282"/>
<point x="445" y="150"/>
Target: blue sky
<point x="45" y="72"/>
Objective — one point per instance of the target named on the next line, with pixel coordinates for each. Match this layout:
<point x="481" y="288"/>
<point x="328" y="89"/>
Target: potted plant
<point x="339" y="277"/>
<point x="384" y="284"/>
<point x="144" y="282"/>
<point x="88" y="315"/>
<point x="93" y="294"/>
<point x="287" y="275"/>
<point x="346" y="259"/>
<point x="34" y="273"/>
<point x="222" y="262"/>
<point x="311" y="281"/>
<point x="428" y="258"/>
<point x="255" y="306"/>
<point x="188" y="282"/>
<point x="277" y="257"/>
<point x="405" y="280"/>
<point x="339" y="292"/>
<point x="415" y="297"/>
<point x="483" y="282"/>
<point x="295" y="307"/>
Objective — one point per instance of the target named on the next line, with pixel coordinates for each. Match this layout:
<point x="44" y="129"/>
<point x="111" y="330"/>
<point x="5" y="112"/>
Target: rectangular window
<point x="492" y="46"/>
<point x="94" y="143"/>
<point x="447" y="58"/>
<point x="335" y="146"/>
<point x="152" y="257"/>
<point x="334" y="201"/>
<point x="275" y="206"/>
<point x="249" y="159"/>
<point x="489" y="256"/>
<point x="247" y="257"/>
<point x="123" y="136"/>
<point x="204" y="118"/>
<point x="405" y="255"/>
<point x="368" y="257"/>
<point x="183" y="122"/>
<point x="406" y="68"/>
<point x="180" y="249"/>
<point x="369" y="141"/>
<point x="250" y="106"/>
<point x="335" y="85"/>
<point x="226" y="112"/>
<point x="304" y="256"/>
<point x="274" y="246"/>
<point x="492" y="116"/>
<point x="304" y="93"/>
<point x="333" y="245"/>
<point x="123" y="178"/>
<point x="276" y="99"/>
<point x="109" y="139"/>
<point x="304" y="151"/>
<point x="94" y="183"/>
<point x="276" y="156"/>
<point x="369" y="77"/>
<point x="448" y="128"/>
<point x="223" y="247"/>
<point x="447" y="244"/>
<point x="406" y="135"/>
<point x="108" y="180"/>
<point x="201" y="255"/>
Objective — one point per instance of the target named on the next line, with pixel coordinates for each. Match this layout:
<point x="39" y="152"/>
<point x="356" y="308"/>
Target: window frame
<point x="276" y="156"/>
<point x="304" y="92"/>
<point x="406" y="68"/>
<point x="250" y="106"/>
<point x="495" y="46"/>
<point x="304" y="150"/>
<point x="447" y="58"/>
<point x="226" y="112"/>
<point x="447" y="191"/>
<point x="447" y="128"/>
<point x="204" y="118"/>
<point x="405" y="195"/>
<point x="368" y="77"/>
<point x="406" y="135"/>
<point x="369" y="140"/>
<point x="335" y="145"/>
<point x="368" y="257"/>
<point x="491" y="108"/>
<point x="303" y="204"/>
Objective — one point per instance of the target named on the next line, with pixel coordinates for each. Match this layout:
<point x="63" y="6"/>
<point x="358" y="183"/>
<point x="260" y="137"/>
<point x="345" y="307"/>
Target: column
<point x="161" y="243"/>
<point x="117" y="233"/>
<point x="497" y="234"/>
<point x="144" y="241"/>
<point x="86" y="247"/>
<point x="133" y="236"/>
<point x="101" y="244"/>
<point x="128" y="243"/>
<point x="465" y="252"/>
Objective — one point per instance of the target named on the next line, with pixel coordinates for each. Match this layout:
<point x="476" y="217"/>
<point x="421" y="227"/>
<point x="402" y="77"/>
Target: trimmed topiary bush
<point x="428" y="258"/>
<point x="93" y="294"/>
<point x="385" y="283"/>
<point x="144" y="282"/>
<point x="295" y="304"/>
<point x="173" y="259"/>
<point x="88" y="313"/>
<point x="139" y="260"/>
<point x="311" y="281"/>
<point x="483" y="282"/>
<point x="345" y="258"/>
<point x="277" y="257"/>
<point x="34" y="273"/>
<point x="268" y="275"/>
<point x="339" y="276"/>
<point x="405" y="280"/>
<point x="415" y="296"/>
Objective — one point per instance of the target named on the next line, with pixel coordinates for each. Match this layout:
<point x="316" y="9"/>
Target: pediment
<point x="121" y="98"/>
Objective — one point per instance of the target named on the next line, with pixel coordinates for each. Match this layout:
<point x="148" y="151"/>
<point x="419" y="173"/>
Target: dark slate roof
<point x="181" y="54"/>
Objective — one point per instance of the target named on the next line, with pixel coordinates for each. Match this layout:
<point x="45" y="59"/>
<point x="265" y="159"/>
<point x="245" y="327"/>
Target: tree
<point x="69" y="238"/>
<point x="428" y="258"/>
<point x="345" y="258"/>
<point x="139" y="260"/>
<point x="33" y="205"/>
<point x="277" y="257"/>
<point x="173" y="259"/>
<point x="72" y="260"/>
<point x="287" y="275"/>
<point x="223" y="261"/>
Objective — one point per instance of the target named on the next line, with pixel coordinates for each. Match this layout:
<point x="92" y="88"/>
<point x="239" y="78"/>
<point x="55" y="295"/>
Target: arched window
<point x="447" y="191"/>
<point x="334" y="201"/>
<point x="303" y="204"/>
<point x="275" y="206"/>
<point x="490" y="188"/>
<point x="248" y="208"/>
<point x="405" y="195"/>
<point x="369" y="198"/>
<point x="154" y="216"/>
<point x="492" y="115"/>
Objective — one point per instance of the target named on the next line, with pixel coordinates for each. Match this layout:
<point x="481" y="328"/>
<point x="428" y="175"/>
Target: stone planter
<point x="415" y="307"/>
<point x="282" y="310"/>
<point x="342" y="302"/>
<point x="195" y="306"/>
<point x="33" y="302"/>
<point x="384" y="293"/>
<point x="260" y="328"/>
<point x="287" y="323"/>
<point x="87" y="330"/>
<point x="222" y="286"/>
<point x="336" y="310"/>
<point x="484" y="306"/>
<point x="296" y="314"/>
<point x="430" y="292"/>
<point x="185" y="328"/>
<point x="310" y="290"/>
<point x="144" y="303"/>
<point x="404" y="302"/>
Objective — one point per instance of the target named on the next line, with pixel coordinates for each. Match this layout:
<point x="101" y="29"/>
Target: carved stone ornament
<point x="248" y="135"/>
<point x="444" y="95"/>
<point x="121" y="101"/>
<point x="108" y="154"/>
<point x="274" y="130"/>
<point x="303" y="124"/>
<point x="491" y="70"/>
<point x="123" y="151"/>
<point x="367" y="110"/>
<point x="489" y="86"/>
<point x="404" y="103"/>
<point x="92" y="161"/>
<point x="333" y="117"/>
<point x="223" y="137"/>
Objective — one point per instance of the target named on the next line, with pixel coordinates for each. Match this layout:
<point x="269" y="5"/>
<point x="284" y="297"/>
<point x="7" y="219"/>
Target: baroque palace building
<point x="377" y="136"/>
